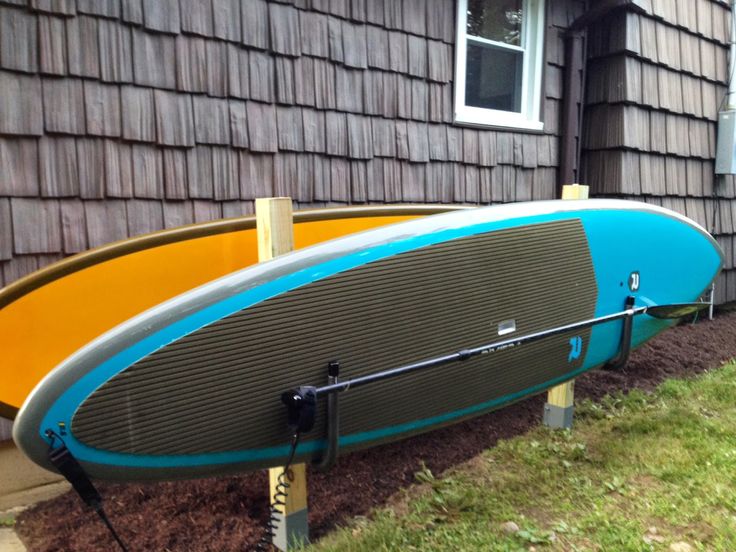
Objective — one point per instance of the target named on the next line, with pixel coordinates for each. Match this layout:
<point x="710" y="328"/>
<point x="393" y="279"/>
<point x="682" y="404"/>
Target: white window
<point x="498" y="64"/>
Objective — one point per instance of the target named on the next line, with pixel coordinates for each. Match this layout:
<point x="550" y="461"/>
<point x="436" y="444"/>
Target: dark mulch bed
<point x="229" y="513"/>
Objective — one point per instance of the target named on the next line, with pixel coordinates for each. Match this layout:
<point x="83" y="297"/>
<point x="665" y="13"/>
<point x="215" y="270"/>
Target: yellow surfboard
<point x="48" y="315"/>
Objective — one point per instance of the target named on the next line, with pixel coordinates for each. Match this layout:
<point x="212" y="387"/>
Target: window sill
<point x="503" y="120"/>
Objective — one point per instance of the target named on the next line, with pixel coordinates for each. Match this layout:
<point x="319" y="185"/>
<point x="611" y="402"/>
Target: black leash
<point x="278" y="499"/>
<point x="301" y="404"/>
<point x="71" y="469"/>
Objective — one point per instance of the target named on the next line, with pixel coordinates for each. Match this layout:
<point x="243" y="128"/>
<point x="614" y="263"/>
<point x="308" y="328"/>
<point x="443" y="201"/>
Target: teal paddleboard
<point x="193" y="386"/>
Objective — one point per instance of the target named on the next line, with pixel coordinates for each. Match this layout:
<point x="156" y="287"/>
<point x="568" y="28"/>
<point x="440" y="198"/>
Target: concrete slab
<point x="9" y="541"/>
<point x="18" y="473"/>
<point x="29" y="497"/>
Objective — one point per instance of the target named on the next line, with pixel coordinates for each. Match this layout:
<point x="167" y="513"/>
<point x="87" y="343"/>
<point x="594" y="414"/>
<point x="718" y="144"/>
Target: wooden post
<point x="274" y="227"/>
<point x="559" y="408"/>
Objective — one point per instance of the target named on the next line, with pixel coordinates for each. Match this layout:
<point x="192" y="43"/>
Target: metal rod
<point x="333" y="422"/>
<point x="469" y="353"/>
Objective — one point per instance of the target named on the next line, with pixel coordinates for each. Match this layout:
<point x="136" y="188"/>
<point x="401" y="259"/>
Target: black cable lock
<point x="301" y="404"/>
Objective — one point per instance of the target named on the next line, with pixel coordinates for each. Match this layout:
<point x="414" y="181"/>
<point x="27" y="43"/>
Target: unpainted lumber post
<point x="274" y="228"/>
<point x="559" y="408"/>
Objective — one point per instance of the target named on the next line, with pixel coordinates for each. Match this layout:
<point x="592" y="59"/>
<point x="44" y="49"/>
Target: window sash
<point x="531" y="46"/>
<point x="495" y="43"/>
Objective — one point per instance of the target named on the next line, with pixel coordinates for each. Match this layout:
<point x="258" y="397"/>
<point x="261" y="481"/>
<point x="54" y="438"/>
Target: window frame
<point x="531" y="87"/>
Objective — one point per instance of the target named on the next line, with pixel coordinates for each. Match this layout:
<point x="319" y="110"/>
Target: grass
<point x="638" y="472"/>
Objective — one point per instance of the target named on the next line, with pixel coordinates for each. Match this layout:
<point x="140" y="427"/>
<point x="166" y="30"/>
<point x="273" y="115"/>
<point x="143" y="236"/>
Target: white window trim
<point x="530" y="116"/>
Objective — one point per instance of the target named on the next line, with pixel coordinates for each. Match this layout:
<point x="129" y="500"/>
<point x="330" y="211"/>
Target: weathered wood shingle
<point x="304" y="92"/>
<point x="63" y="102"/>
<point x="197" y="17"/>
<point x="349" y="89"/>
<point x="102" y="109"/>
<point x="440" y="61"/>
<point x="402" y="140"/>
<point x="398" y="52"/>
<point x="355" y="53"/>
<point x="19" y="167"/>
<point x="132" y="11"/>
<point x="284" y="27"/>
<point x="314" y="130"/>
<point x="118" y="169"/>
<point x="148" y="181"/>
<point x="174" y="119"/>
<point x="154" y="59"/>
<point x="256" y="175"/>
<point x="418" y="138"/>
<point x="225" y="177"/>
<point x="290" y="129"/>
<point x="36" y="225"/>
<point x="314" y="34"/>
<point x="417" y="52"/>
<point x="262" y="130"/>
<point x="324" y="85"/>
<point x="285" y="175"/>
<point x="262" y="76"/>
<point x="377" y="47"/>
<point x="227" y="23"/>
<point x="360" y="139"/>
<point x="284" y="80"/>
<point x="238" y="124"/>
<point x="175" y="173"/>
<point x="73" y="226"/>
<point x="211" y="120"/>
<point x="178" y="213"/>
<point x="419" y="99"/>
<point x="139" y="121"/>
<point x="116" y="52"/>
<point x="58" y="167"/>
<point x="162" y="16"/>
<point x="51" y="45"/>
<point x="205" y="211"/>
<point x="18" y="40"/>
<point x="238" y="75"/>
<point x="83" y="46"/>
<point x="106" y="221"/>
<point x="91" y="168"/>
<point x="199" y="172"/>
<point x="144" y="216"/>
<point x="358" y="181"/>
<point x="339" y="179"/>
<point x="58" y="7"/>
<point x="334" y="39"/>
<point x="191" y="64"/>
<point x="20" y="98"/>
<point x="255" y="24"/>
<point x="103" y="8"/>
<point x="217" y="68"/>
<point x="336" y="134"/>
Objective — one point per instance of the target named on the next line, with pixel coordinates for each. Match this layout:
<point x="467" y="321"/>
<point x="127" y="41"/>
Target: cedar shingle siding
<point x="655" y="84"/>
<point x="119" y="117"/>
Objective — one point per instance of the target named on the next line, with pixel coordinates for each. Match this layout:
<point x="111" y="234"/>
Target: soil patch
<point x="229" y="513"/>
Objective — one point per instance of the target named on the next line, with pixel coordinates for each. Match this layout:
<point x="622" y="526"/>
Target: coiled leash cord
<point x="278" y="499"/>
<point x="300" y="404"/>
<point x="72" y="470"/>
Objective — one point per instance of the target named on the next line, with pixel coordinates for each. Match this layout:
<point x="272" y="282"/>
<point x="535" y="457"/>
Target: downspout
<point x="574" y="89"/>
<point x="732" y="60"/>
